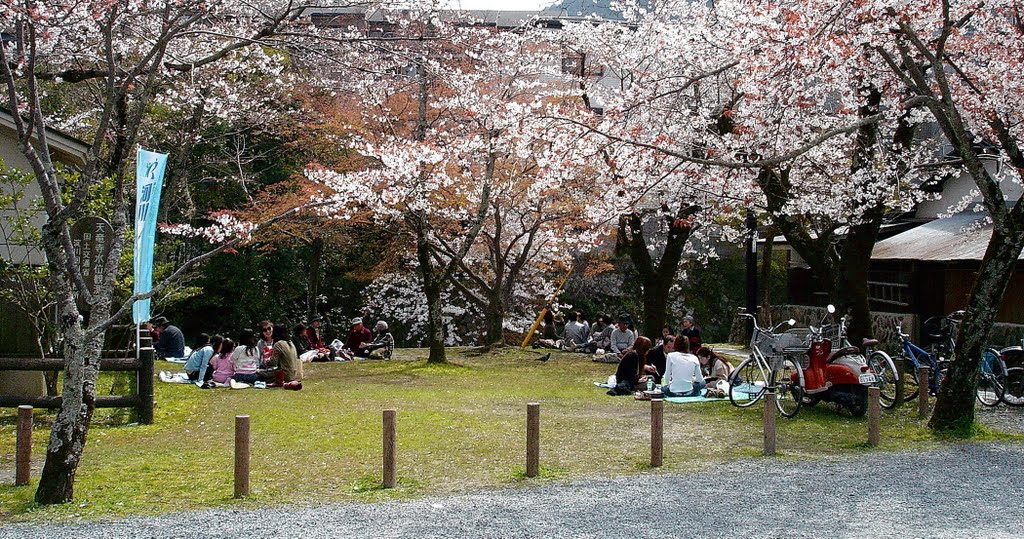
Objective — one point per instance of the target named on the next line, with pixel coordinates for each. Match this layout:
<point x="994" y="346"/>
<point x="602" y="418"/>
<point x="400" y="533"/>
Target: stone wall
<point x="883" y="325"/>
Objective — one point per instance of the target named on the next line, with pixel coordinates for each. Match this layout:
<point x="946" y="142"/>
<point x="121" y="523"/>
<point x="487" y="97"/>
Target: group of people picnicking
<point x="679" y="366"/>
<point x="269" y="357"/>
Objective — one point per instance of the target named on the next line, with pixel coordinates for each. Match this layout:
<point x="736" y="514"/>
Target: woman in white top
<point x="246" y="358"/>
<point x="683" y="377"/>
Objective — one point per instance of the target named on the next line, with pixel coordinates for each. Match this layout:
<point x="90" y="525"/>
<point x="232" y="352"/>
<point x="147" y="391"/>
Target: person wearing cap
<point x="172" y="340"/>
<point x="383" y="345"/>
<point x="359" y="335"/>
<point x="690" y="332"/>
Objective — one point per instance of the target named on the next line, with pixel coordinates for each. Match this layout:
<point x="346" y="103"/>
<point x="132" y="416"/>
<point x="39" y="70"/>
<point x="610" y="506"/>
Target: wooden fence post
<point x="242" y="453"/>
<point x="147" y="357"/>
<point x="389" y="448"/>
<point x="874" y="415"/>
<point x="532" y="439"/>
<point x="657" y="432"/>
<point x="23" y="458"/>
<point x="923" y="391"/>
<point x="769" y="421"/>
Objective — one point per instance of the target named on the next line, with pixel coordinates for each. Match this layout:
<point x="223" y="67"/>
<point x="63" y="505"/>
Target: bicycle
<point x="769" y="365"/>
<point x="1013" y="385"/>
<point x="992" y="376"/>
<point x="882" y="365"/>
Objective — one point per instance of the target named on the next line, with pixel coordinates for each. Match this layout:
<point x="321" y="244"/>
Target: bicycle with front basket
<point x="769" y="365"/>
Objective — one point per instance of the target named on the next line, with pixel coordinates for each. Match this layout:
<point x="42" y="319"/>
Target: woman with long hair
<point x="246" y="357"/>
<point x="631" y="368"/>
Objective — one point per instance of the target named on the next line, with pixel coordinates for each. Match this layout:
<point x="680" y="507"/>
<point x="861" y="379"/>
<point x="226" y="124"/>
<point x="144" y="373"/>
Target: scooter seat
<point x="845" y="351"/>
<point x="869" y="343"/>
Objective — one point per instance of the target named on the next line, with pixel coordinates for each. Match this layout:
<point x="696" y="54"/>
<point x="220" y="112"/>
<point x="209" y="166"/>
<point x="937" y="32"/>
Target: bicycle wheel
<point x="909" y="374"/>
<point x="991" y="378"/>
<point x="789" y="393"/>
<point x="885" y="369"/>
<point x="1013" y="391"/>
<point x="747" y="383"/>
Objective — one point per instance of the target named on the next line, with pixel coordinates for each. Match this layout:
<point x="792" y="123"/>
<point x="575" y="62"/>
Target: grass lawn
<point x="460" y="427"/>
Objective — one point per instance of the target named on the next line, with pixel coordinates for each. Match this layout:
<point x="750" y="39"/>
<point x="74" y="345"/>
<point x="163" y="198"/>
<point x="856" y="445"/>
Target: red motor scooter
<point x="838" y="375"/>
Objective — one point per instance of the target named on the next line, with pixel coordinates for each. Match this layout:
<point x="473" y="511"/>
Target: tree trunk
<point x="851" y="283"/>
<point x="655" y="298"/>
<point x="71" y="427"/>
<point x="764" y="313"/>
<point x="316" y="257"/>
<point x="954" y="410"/>
<point x="432" y="292"/>
<point x="495" y="319"/>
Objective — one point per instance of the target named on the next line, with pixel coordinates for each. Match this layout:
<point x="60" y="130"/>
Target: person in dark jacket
<point x="631" y="368"/>
<point x="656" y="358"/>
<point x="172" y="340"/>
<point x="691" y="332"/>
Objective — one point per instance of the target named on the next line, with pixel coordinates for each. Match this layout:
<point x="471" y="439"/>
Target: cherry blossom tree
<point x="790" y="123"/>
<point x="117" y="62"/>
<point x="448" y="138"/>
<point x="960" y="61"/>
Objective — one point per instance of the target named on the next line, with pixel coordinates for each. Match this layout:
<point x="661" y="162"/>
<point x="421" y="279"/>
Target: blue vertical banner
<point x="149" y="179"/>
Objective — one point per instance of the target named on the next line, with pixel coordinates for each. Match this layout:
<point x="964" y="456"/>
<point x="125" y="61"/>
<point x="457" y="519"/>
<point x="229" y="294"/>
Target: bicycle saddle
<point x="845" y="351"/>
<point x="869" y="343"/>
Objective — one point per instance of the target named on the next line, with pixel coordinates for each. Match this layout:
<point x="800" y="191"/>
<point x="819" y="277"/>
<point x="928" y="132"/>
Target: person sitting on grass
<point x="266" y="342"/>
<point x="316" y="339"/>
<point x="171" y="341"/>
<point x="246" y="358"/>
<point x="198" y="365"/>
<point x="549" y="337"/>
<point x="656" y="358"/>
<point x="630" y="373"/>
<point x="383" y="345"/>
<point x="715" y="367"/>
<point x="302" y="345"/>
<point x="601" y="335"/>
<point x="284" y="368"/>
<point x="356" y="337"/>
<point x="222" y="365"/>
<point x="576" y="333"/>
<point x="683" y="377"/>
<point x="622" y="337"/>
<point x="691" y="332"/>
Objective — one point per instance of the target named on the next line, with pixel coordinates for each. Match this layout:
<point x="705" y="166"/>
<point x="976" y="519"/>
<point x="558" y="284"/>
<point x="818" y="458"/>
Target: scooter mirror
<point x="831" y="309"/>
<point x="791" y="322"/>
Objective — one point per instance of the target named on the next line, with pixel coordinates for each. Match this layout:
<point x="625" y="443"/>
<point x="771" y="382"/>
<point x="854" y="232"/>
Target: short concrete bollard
<point x="389" y="449"/>
<point x="923" y="391"/>
<point x="23" y="466"/>
<point x="874" y="415"/>
<point x="532" y="439"/>
<point x="657" y="432"/>
<point x="242" y="454"/>
<point x="769" y="422"/>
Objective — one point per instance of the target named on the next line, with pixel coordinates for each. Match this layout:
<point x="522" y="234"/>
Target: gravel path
<point x="963" y="490"/>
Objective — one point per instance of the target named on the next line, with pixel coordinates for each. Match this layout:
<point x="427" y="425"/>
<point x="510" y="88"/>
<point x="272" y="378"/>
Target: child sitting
<point x="222" y="365"/>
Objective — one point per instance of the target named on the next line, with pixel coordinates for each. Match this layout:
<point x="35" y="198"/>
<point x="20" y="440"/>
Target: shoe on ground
<point x="545" y="357"/>
<point x="294" y="385"/>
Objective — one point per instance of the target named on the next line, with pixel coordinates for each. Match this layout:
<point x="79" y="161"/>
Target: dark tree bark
<point x="656" y="278"/>
<point x="925" y="70"/>
<point x="765" y="276"/>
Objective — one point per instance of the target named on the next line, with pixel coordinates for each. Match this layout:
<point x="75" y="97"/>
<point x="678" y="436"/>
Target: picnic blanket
<point x="175" y="378"/>
<point x="740" y="392"/>
<point x="182" y="378"/>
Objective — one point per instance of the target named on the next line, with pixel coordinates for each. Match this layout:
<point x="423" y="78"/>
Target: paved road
<point x="969" y="490"/>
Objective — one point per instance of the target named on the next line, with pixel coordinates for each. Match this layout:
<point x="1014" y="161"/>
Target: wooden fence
<point x="113" y="360"/>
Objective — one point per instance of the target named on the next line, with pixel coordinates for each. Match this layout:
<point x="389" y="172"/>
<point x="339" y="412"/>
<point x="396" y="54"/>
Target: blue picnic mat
<point x="741" y="392"/>
<point x="684" y="400"/>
